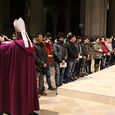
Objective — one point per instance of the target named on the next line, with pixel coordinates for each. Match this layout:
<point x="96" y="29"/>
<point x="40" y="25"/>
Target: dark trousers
<point x="69" y="70"/>
<point x="48" y="76"/>
<point x="40" y="77"/>
<point x="88" y="66"/>
<point x="59" y="74"/>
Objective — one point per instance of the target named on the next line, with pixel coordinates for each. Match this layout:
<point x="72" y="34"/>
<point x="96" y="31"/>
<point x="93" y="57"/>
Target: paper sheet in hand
<point x="63" y="65"/>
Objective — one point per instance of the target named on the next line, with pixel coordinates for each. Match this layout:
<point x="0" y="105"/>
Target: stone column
<point x="111" y="18"/>
<point x="95" y="18"/>
<point x="36" y="16"/>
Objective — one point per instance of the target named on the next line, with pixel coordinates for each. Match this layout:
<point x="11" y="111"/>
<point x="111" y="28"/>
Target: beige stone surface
<point x="63" y="105"/>
<point x="90" y="95"/>
<point x="98" y="87"/>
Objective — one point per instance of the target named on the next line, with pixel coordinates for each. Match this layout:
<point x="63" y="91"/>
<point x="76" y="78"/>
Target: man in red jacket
<point x="48" y="45"/>
<point x="104" y="52"/>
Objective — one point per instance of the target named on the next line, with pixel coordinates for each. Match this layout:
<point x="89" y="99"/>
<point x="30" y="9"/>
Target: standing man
<point x="72" y="57"/>
<point x="49" y="48"/>
<point x="60" y="57"/>
<point x="41" y="60"/>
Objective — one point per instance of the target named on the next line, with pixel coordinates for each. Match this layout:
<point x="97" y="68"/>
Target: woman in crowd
<point x="97" y="54"/>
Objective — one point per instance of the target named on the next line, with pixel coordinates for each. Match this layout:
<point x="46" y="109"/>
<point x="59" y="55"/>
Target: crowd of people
<point x="72" y="56"/>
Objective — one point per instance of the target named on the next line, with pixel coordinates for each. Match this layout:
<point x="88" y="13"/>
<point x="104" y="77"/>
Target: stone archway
<point x="110" y="18"/>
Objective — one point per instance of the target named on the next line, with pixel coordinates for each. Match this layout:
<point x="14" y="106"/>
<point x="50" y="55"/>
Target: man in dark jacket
<point x="60" y="57"/>
<point x="72" y="57"/>
<point x="41" y="60"/>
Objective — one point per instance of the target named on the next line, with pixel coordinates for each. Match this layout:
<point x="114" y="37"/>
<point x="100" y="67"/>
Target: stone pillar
<point x="95" y="18"/>
<point x="36" y="16"/>
<point x="111" y="18"/>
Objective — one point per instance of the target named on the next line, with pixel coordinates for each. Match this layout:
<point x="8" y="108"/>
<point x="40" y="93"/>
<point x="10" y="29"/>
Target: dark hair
<point x="48" y="34"/>
<point x="61" y="34"/>
<point x="37" y="35"/>
<point x="1" y="35"/>
<point x="97" y="38"/>
<point x="79" y="37"/>
<point x="84" y="38"/>
<point x="70" y="36"/>
<point x="103" y="37"/>
<point x="92" y="39"/>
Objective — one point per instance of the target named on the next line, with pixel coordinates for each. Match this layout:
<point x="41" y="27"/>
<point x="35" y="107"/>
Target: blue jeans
<point x="70" y="69"/>
<point x="48" y="76"/>
<point x="59" y="73"/>
<point x="103" y="62"/>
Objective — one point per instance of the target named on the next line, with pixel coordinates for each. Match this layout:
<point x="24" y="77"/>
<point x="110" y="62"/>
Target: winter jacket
<point x="59" y="51"/>
<point x="40" y="56"/>
<point x="73" y="51"/>
<point x="98" y="51"/>
<point x="104" y="48"/>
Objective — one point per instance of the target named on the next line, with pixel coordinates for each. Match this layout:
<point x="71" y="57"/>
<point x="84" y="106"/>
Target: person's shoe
<point x="85" y="74"/>
<point x="33" y="113"/>
<point x="43" y="93"/>
<point x="72" y="79"/>
<point x="81" y="75"/>
<point x="75" y="78"/>
<point x="51" y="88"/>
<point x="89" y="72"/>
<point x="60" y="85"/>
<point x="65" y="81"/>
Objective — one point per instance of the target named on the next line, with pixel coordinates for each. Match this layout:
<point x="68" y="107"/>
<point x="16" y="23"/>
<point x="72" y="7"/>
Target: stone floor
<point x="90" y="95"/>
<point x="64" y="105"/>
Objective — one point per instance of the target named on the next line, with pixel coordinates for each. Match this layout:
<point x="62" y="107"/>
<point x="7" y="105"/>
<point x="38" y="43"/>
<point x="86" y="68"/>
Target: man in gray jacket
<point x="60" y="57"/>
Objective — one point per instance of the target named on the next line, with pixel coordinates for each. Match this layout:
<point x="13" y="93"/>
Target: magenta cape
<point x="18" y="85"/>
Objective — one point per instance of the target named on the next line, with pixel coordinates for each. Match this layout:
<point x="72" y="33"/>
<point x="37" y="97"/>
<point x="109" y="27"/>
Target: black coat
<point x="59" y="51"/>
<point x="72" y="50"/>
<point x="40" y="56"/>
